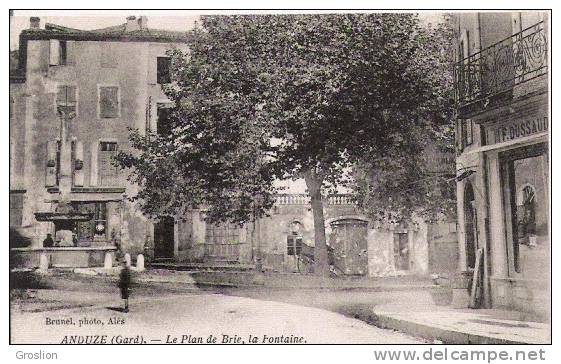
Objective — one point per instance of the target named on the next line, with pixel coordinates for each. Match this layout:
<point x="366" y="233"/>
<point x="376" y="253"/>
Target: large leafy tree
<point x="267" y="97"/>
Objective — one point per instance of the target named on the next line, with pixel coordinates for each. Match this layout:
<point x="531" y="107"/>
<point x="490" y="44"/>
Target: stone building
<point x="501" y="84"/>
<point x="73" y="96"/>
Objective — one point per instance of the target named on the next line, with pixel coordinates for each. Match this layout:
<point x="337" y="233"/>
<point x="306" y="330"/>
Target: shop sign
<point x="516" y="129"/>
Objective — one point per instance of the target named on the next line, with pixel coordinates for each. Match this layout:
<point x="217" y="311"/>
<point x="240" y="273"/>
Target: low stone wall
<point x="531" y="296"/>
<point x="73" y="257"/>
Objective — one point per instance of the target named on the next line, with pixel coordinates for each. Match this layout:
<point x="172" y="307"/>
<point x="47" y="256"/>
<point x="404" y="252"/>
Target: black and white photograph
<point x="288" y="177"/>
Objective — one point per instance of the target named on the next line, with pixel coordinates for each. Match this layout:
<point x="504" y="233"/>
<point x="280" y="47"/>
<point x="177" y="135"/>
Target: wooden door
<point x="348" y="240"/>
<point x="164" y="237"/>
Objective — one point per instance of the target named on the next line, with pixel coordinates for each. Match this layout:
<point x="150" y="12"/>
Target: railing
<point x="501" y="66"/>
<point x="304" y="199"/>
<point x="292" y="199"/>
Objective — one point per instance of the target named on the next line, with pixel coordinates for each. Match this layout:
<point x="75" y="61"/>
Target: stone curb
<point x="432" y="334"/>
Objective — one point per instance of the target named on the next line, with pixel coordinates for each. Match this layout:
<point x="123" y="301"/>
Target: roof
<point x="113" y="33"/>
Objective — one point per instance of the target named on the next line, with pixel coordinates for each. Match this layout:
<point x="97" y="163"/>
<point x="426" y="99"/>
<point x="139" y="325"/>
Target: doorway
<point x="164" y="237"/>
<point x="401" y="251"/>
<point x="348" y="240"/>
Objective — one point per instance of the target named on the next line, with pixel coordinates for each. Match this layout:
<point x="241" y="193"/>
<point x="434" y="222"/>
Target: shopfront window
<point x="95" y="229"/>
<point x="526" y="173"/>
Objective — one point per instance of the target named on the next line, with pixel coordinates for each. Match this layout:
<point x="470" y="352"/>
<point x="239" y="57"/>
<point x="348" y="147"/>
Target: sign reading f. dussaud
<point x="516" y="129"/>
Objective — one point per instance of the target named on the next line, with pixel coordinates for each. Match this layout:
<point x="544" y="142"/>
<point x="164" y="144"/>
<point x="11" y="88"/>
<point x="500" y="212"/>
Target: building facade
<point x="501" y="86"/>
<point x="73" y="98"/>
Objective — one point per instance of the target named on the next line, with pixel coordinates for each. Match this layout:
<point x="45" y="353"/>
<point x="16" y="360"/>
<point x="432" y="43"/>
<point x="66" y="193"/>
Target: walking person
<point x="124" y="284"/>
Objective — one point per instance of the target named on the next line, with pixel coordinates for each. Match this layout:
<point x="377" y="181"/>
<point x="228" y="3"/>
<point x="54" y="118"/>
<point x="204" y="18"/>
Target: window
<point x="164" y="126"/>
<point x="109" y="103"/>
<point x="525" y="173"/>
<point x="58" y="52"/>
<point x="66" y="104"/>
<point x="108" y="55"/>
<point x="16" y="209"/>
<point x="294" y="244"/>
<point x="294" y="239"/>
<point x="163" y="70"/>
<point x="108" y="146"/>
<point x="108" y="173"/>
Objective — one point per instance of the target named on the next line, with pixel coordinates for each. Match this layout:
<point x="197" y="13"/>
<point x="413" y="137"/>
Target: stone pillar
<point x="128" y="260"/>
<point x="43" y="262"/>
<point x="108" y="263"/>
<point x="140" y="263"/>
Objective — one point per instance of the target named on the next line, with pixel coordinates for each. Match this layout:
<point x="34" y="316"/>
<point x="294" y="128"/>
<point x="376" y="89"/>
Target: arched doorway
<point x="470" y="230"/>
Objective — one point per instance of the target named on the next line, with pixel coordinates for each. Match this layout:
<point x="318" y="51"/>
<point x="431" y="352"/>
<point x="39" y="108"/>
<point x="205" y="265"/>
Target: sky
<point x="88" y="20"/>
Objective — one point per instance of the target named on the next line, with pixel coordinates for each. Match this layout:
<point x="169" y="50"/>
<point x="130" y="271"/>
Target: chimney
<point x="132" y="24"/>
<point x="34" y="22"/>
<point x="143" y="22"/>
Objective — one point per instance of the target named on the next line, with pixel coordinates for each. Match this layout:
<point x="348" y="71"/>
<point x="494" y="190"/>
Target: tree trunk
<point x="321" y="264"/>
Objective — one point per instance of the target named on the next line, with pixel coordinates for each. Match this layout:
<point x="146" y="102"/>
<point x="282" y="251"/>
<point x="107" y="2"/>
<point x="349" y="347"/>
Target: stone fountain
<point x="64" y="216"/>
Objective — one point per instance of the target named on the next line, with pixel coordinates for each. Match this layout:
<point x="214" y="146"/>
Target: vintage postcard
<point x="283" y="177"/>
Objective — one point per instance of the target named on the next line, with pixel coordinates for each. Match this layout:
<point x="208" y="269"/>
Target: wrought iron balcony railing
<point x="501" y="66"/>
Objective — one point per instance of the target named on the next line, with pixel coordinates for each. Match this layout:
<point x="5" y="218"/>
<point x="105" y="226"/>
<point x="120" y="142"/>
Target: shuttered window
<point x="16" y="209"/>
<point x="108" y="55"/>
<point x="109" y="103"/>
<point x="163" y="70"/>
<point x="108" y="173"/>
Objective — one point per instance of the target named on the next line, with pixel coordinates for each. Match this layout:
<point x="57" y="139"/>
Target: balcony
<point x="492" y="74"/>
<point x="304" y="199"/>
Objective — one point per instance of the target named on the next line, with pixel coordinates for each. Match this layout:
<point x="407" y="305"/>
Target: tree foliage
<point x="265" y="97"/>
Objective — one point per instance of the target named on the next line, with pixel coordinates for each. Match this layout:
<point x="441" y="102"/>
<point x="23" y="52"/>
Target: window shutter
<point x="54" y="52"/>
<point x="152" y="71"/>
<point x="108" y="173"/>
<point x="70" y="55"/>
<point x="94" y="147"/>
<point x="16" y="209"/>
<point x="163" y="70"/>
<point x="51" y="163"/>
<point x="108" y="102"/>
<point x="108" y="55"/>
<point x="79" y="164"/>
